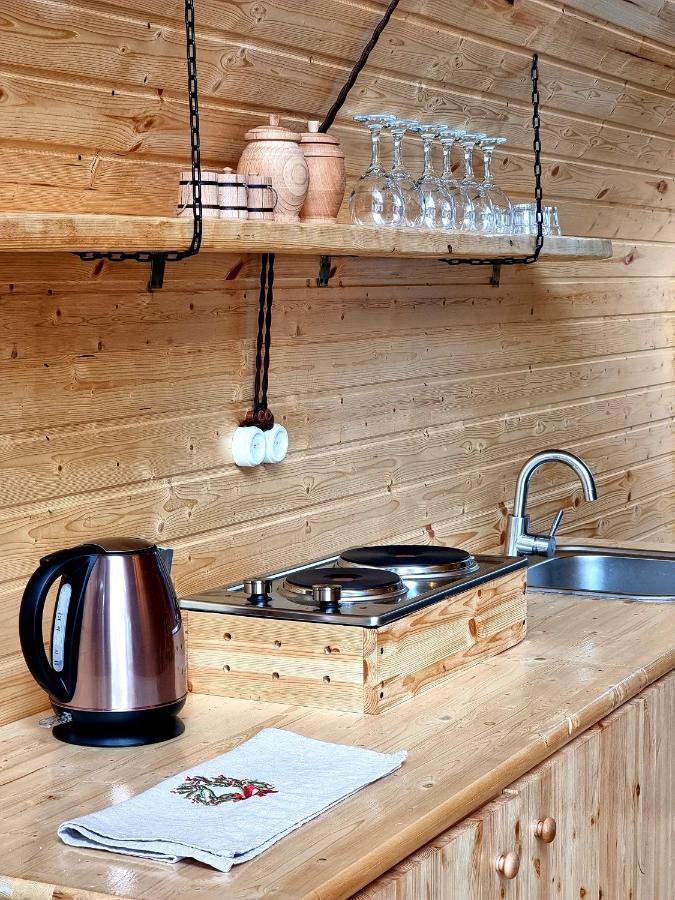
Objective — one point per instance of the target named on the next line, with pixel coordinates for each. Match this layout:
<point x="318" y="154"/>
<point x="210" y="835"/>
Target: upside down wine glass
<point x="438" y="206"/>
<point x="483" y="209"/>
<point x="407" y="187"/>
<point x="375" y="199"/>
<point x="502" y="206"/>
<point x="464" y="212"/>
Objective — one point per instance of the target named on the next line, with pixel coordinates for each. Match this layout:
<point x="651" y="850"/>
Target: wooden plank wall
<point x="412" y="392"/>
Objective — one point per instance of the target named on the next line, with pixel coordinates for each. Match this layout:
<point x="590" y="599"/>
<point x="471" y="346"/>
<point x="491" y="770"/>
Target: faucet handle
<point x="552" y="533"/>
<point x="556" y="523"/>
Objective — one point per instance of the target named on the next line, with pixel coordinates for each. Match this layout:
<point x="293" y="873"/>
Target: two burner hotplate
<point x="365" y="586"/>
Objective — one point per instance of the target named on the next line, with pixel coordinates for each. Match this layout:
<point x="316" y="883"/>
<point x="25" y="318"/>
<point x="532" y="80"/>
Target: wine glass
<point x="483" y="209"/>
<point x="406" y="184"/>
<point x="438" y="207"/>
<point x="464" y="211"/>
<point x="375" y="199"/>
<point x="503" y="208"/>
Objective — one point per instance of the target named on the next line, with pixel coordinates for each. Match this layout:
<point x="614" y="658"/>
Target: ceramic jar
<point x="274" y="151"/>
<point x="327" y="180"/>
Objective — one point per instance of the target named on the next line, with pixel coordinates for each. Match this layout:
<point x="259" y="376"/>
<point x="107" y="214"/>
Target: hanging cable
<point x="360" y="63"/>
<point x="261" y="415"/>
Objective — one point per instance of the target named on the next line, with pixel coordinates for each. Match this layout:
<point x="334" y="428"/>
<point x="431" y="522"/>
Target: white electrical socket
<point x="248" y="446"/>
<point x="276" y="444"/>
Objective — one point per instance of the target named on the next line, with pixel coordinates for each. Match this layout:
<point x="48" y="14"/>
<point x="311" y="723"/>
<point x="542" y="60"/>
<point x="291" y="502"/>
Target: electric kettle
<point x="117" y="666"/>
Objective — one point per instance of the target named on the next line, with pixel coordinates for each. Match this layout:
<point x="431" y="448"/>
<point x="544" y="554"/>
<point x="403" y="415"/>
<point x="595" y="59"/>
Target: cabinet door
<point x="502" y="875"/>
<point x="561" y="838"/>
<point x="461" y="864"/>
<point x="637" y="802"/>
<point x="447" y="867"/>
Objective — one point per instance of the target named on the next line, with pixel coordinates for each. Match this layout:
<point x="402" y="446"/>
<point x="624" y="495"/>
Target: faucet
<point x="518" y="539"/>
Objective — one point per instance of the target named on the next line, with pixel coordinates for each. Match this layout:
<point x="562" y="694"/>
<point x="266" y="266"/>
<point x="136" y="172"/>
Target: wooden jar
<point x="274" y="151"/>
<point x="327" y="179"/>
<point x="232" y="195"/>
<point x="210" y="201"/>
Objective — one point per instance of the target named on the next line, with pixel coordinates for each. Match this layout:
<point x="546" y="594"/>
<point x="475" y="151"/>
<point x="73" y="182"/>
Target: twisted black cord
<point x="268" y="332"/>
<point x="262" y="302"/>
<point x="360" y="63"/>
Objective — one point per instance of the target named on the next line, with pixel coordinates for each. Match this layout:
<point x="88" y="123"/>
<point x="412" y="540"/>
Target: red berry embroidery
<point x="200" y="789"/>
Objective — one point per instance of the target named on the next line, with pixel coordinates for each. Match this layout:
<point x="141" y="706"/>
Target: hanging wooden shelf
<point x="60" y="232"/>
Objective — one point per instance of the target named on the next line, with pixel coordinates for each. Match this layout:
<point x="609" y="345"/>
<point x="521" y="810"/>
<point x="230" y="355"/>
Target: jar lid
<point x="272" y="132"/>
<point x="316" y="145"/>
<point x="314" y="136"/>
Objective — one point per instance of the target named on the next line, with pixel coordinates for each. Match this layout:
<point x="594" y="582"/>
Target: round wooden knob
<point x="545" y="830"/>
<point x="508" y="864"/>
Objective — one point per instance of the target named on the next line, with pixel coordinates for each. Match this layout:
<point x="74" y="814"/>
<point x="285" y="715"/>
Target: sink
<point x="648" y="576"/>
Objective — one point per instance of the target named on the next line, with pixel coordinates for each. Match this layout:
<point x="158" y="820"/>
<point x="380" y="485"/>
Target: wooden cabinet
<point x="561" y="838"/>
<point x="596" y="820"/>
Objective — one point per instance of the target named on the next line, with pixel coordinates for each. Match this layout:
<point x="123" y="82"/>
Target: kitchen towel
<point x="231" y="808"/>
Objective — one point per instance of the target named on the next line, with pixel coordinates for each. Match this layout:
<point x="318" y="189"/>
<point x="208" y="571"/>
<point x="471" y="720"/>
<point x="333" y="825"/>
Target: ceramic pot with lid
<point x="327" y="180"/>
<point x="274" y="151"/>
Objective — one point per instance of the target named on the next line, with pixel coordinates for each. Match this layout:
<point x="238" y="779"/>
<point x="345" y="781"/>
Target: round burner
<point x="355" y="585"/>
<point x="412" y="560"/>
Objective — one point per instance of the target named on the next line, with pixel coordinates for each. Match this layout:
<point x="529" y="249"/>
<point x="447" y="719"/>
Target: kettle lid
<point x="121" y="545"/>
<point x="103" y="545"/>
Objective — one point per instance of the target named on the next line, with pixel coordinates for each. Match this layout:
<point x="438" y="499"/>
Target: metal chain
<point x="195" y="149"/>
<point x="538" y="191"/>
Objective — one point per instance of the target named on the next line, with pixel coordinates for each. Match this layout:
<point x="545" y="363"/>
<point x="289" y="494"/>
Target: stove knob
<point x="327" y="597"/>
<point x="258" y="590"/>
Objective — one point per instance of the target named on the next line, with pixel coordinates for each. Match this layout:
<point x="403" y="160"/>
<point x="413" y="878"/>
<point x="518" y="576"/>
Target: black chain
<point x="538" y="191"/>
<point x="193" y="101"/>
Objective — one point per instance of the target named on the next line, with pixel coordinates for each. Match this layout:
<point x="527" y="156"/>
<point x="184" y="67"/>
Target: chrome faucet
<point x="518" y="539"/>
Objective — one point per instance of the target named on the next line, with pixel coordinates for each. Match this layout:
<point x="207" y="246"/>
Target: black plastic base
<point x="120" y="729"/>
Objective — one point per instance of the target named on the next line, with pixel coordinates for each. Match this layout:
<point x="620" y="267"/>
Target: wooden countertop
<point x="467" y="739"/>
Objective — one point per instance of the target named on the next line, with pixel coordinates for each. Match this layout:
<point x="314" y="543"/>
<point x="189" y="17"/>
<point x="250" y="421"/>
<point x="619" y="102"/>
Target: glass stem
<point x="375" y="149"/>
<point x="468" y="162"/>
<point x="487" y="164"/>
<point x="396" y="152"/>
<point x="447" y="161"/>
<point x="428" y="169"/>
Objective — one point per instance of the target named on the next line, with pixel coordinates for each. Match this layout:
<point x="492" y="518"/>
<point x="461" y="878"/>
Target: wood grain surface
<point x="467" y="740"/>
<point x="412" y="392"/>
<point x="33" y="232"/>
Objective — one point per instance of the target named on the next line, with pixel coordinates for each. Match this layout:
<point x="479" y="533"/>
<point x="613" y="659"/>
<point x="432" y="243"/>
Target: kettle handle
<point x="59" y="686"/>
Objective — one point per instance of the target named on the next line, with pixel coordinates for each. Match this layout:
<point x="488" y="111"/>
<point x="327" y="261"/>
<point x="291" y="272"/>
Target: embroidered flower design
<point x="200" y="789"/>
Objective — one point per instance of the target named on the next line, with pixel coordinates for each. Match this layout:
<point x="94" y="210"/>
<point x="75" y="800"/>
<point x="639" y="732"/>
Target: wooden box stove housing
<point x="364" y="670"/>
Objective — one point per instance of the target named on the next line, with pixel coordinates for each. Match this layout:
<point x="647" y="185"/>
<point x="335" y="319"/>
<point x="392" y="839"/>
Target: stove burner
<point x="355" y="585"/>
<point x="412" y="560"/>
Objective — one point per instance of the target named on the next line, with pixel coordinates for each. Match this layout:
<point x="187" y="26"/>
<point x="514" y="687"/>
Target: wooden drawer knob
<point x="508" y="864"/>
<point x="545" y="830"/>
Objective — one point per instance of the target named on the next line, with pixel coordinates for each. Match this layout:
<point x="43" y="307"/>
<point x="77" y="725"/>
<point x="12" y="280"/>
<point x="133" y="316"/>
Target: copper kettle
<point x="117" y="669"/>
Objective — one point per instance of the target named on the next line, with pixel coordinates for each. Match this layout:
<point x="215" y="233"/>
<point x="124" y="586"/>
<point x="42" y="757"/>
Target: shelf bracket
<point x="324" y="271"/>
<point x="496" y="277"/>
<point x="157" y="267"/>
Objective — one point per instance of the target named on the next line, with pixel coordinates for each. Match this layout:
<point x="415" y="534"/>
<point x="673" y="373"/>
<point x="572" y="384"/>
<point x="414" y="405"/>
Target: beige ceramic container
<point x="327" y="180"/>
<point x="274" y="151"/>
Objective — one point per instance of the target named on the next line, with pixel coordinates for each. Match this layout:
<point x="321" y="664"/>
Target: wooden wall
<point x="412" y="392"/>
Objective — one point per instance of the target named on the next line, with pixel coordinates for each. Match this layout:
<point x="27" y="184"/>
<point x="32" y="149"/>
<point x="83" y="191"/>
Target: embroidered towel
<point x="231" y="808"/>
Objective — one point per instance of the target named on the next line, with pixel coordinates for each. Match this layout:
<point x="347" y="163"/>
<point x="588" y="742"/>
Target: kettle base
<point x="120" y="729"/>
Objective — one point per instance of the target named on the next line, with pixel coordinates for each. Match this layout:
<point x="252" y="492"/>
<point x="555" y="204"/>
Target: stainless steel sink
<point x="648" y="576"/>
